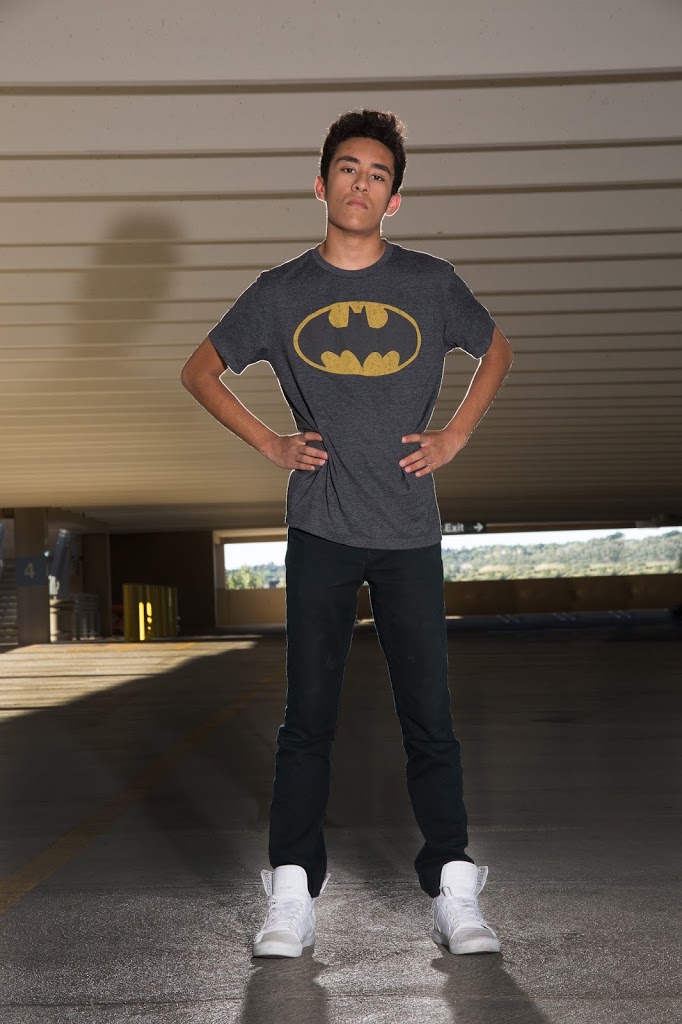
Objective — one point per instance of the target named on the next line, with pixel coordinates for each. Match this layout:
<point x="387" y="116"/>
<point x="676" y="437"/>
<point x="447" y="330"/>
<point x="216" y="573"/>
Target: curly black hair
<point x="381" y="125"/>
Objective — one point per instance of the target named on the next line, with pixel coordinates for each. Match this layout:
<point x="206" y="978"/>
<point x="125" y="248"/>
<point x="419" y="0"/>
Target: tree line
<point x="614" y="555"/>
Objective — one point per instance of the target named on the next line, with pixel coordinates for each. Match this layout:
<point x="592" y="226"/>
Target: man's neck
<point x="351" y="252"/>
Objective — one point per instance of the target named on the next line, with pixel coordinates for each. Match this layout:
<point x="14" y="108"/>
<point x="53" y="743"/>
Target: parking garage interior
<point x="152" y="162"/>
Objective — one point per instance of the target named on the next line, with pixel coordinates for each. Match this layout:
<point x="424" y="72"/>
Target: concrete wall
<point x="587" y="593"/>
<point x="487" y="597"/>
<point x="183" y="560"/>
<point x="248" y="607"/>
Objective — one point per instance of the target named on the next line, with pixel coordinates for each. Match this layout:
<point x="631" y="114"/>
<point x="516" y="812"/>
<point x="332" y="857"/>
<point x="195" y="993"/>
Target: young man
<point x="356" y="330"/>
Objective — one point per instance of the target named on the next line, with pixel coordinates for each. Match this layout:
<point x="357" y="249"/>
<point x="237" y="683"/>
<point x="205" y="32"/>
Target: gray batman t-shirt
<point x="359" y="357"/>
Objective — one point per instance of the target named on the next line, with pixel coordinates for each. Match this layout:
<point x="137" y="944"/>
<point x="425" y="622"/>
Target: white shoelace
<point x="283" y="910"/>
<point x="463" y="910"/>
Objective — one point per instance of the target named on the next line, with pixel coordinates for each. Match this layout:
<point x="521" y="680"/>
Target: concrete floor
<point x="135" y="789"/>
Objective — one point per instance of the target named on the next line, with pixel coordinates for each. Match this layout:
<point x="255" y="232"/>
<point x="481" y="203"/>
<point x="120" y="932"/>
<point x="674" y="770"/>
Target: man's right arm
<point x="201" y="377"/>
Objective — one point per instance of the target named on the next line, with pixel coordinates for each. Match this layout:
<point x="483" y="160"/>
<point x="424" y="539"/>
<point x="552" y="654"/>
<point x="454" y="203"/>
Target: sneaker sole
<point x="273" y="948"/>
<point x="482" y="945"/>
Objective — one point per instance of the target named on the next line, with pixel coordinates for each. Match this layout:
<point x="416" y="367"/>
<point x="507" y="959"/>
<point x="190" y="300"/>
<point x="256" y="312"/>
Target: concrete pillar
<point x="219" y="580"/>
<point x="33" y="595"/>
<point x="97" y="574"/>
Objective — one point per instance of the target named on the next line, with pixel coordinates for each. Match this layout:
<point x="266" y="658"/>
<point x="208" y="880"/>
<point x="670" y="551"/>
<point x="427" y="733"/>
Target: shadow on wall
<point x="96" y="346"/>
<point x="95" y="372"/>
<point x="119" y="294"/>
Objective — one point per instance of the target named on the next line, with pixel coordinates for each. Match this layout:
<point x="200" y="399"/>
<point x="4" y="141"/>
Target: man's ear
<point x="393" y="204"/>
<point x="320" y="191"/>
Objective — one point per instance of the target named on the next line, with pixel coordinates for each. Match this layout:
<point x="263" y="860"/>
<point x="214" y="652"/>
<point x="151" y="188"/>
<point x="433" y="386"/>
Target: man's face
<point x="359" y="183"/>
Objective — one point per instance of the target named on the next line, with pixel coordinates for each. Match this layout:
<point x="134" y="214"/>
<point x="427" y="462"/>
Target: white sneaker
<point x="457" y="919"/>
<point x="290" y="921"/>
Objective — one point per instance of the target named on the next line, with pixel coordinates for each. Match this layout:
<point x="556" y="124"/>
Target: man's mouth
<point x="358" y="202"/>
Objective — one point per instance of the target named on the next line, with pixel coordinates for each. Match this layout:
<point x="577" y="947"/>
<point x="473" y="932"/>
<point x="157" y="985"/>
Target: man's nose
<point x="360" y="183"/>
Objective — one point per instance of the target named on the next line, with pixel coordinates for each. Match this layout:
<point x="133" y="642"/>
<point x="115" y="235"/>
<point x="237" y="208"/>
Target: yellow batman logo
<point x="365" y="338"/>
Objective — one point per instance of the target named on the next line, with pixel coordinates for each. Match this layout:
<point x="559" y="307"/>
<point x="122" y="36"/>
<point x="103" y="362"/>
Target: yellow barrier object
<point x="149" y="611"/>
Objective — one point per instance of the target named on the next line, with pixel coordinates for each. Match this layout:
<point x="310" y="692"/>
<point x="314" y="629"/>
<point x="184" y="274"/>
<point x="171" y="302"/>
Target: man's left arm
<point x="439" y="447"/>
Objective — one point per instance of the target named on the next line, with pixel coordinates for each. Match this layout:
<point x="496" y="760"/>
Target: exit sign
<point x="464" y="527"/>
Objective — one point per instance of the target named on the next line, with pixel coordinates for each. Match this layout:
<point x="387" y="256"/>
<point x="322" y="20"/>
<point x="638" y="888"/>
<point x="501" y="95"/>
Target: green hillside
<point x="602" y="556"/>
<point x="613" y="555"/>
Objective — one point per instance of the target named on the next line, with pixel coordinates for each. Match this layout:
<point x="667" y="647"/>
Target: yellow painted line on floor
<point x="24" y="879"/>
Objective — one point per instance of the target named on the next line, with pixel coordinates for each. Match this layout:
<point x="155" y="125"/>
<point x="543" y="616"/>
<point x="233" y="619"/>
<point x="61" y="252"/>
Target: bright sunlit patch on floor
<point x="44" y="676"/>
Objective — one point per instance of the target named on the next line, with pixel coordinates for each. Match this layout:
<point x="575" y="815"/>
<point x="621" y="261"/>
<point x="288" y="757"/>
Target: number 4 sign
<point x="31" y="571"/>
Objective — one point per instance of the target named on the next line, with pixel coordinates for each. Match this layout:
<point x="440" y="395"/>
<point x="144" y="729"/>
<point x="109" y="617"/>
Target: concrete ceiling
<point x="153" y="161"/>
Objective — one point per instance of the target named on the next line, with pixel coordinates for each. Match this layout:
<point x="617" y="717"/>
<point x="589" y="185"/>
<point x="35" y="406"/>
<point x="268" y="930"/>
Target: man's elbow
<point x="203" y="361"/>
<point x="186" y="377"/>
<point x="190" y="375"/>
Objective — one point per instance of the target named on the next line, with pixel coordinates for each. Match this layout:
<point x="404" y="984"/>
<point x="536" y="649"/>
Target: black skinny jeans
<point x="406" y="594"/>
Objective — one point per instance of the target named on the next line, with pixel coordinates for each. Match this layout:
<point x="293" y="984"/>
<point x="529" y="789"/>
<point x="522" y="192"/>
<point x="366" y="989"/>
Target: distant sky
<point x="237" y="555"/>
